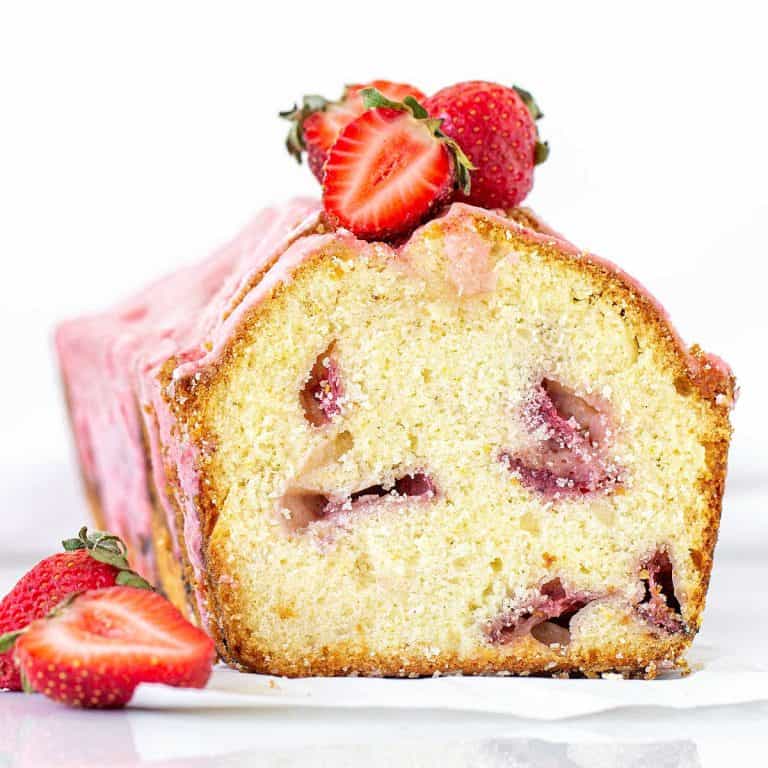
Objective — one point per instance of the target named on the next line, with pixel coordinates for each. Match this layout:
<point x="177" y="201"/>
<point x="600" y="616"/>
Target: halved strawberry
<point x="90" y="561"/>
<point x="96" y="647"/>
<point x="318" y="122"/>
<point x="390" y="168"/>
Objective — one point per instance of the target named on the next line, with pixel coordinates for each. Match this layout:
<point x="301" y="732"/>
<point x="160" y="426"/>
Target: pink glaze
<point x="111" y="362"/>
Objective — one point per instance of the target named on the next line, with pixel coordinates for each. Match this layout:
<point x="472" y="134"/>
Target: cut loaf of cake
<point x="481" y="451"/>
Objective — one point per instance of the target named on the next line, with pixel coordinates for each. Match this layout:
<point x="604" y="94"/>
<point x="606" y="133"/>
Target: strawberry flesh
<point x="322" y="394"/>
<point x="568" y="455"/>
<point x="94" y="651"/>
<point x="659" y="605"/>
<point x="320" y="128"/>
<point x="386" y="172"/>
<point x="552" y="605"/>
<point x="306" y="507"/>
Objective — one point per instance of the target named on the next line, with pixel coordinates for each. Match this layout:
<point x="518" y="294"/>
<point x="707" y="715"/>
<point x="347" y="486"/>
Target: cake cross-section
<point x="479" y="450"/>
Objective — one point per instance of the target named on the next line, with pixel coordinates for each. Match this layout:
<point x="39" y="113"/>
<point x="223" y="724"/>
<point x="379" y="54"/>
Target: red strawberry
<point x="495" y="126"/>
<point x="318" y="122"/>
<point x="96" y="647"/>
<point x="390" y="168"/>
<point x="89" y="562"/>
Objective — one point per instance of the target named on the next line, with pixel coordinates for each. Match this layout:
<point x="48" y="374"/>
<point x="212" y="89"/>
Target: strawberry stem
<point x="131" y="579"/>
<point x="374" y="99"/>
<point x="110" y="549"/>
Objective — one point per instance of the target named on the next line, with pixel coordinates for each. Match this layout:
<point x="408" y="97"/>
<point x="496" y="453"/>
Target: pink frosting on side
<point x="181" y="453"/>
<point x="111" y="362"/>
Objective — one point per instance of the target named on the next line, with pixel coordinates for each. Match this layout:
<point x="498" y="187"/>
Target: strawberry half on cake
<point x="359" y="440"/>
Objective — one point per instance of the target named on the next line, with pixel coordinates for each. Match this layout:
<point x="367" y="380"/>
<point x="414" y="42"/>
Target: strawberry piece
<point x="390" y="168"/>
<point x="316" y="125"/>
<point x="659" y="605"/>
<point x="322" y="395"/>
<point x="552" y="605"/>
<point x="96" y="647"/>
<point x="89" y="562"/>
<point x="569" y="455"/>
<point x="496" y="127"/>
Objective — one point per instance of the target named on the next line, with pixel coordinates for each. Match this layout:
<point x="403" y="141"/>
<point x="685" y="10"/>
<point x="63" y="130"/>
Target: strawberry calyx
<point x="311" y="103"/>
<point x="106" y="548"/>
<point x="529" y="102"/>
<point x="9" y="638"/>
<point x="541" y="150"/>
<point x="462" y="165"/>
<point x="110" y="549"/>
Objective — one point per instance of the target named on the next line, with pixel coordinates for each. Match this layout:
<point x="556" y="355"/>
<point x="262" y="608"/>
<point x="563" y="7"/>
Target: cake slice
<point x="483" y="450"/>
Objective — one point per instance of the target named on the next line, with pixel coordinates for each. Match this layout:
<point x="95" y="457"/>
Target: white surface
<point x="138" y="136"/>
<point x="717" y="679"/>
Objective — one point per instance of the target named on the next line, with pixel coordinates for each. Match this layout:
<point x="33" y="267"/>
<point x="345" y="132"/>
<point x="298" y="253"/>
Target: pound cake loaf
<point x="479" y="450"/>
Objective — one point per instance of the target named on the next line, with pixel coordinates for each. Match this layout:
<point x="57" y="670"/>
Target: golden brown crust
<point x="708" y="384"/>
<point x="169" y="571"/>
<point x="527" y="218"/>
<point x="643" y="658"/>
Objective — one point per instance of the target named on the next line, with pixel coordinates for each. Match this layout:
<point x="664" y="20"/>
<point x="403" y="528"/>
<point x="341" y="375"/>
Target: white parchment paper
<point x="715" y="680"/>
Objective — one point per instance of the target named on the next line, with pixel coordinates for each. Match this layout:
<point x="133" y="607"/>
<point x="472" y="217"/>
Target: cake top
<point x="191" y="314"/>
<point x="390" y="159"/>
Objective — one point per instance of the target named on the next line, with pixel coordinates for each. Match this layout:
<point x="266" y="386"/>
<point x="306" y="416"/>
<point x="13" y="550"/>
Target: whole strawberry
<point x="88" y="562"/>
<point x="316" y="125"/>
<point x="496" y="128"/>
<point x="93" y="649"/>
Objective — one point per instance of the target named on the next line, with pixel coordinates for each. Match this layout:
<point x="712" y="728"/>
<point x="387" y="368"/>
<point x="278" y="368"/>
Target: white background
<point x="137" y="136"/>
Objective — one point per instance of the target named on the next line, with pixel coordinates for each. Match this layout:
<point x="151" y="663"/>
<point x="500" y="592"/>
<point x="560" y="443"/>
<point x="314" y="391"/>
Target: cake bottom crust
<point x="641" y="661"/>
